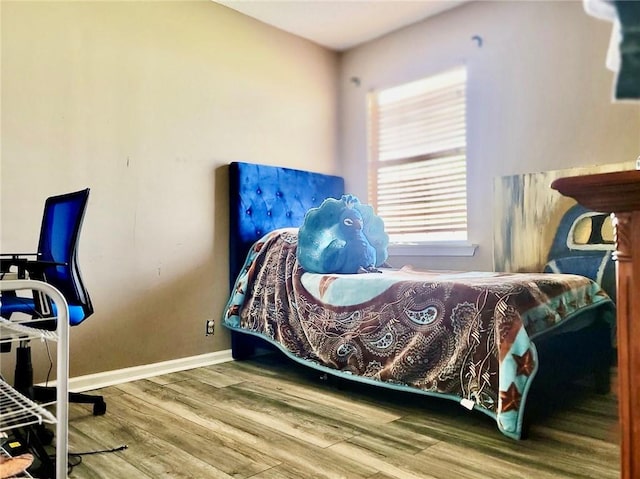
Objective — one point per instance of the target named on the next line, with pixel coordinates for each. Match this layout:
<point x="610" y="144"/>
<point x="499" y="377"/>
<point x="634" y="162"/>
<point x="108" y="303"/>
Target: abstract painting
<point x="527" y="213"/>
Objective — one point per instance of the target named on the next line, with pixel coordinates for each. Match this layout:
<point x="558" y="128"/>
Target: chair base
<point x="48" y="394"/>
<point x="23" y="382"/>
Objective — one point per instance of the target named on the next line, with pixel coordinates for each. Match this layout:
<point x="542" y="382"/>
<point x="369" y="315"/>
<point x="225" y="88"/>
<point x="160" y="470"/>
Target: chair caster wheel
<point x="99" y="408"/>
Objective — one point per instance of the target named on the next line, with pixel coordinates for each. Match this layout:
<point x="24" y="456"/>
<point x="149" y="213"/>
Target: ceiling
<point x="340" y="25"/>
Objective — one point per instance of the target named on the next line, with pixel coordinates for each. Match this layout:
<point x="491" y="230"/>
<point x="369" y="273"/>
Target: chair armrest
<point x="34" y="267"/>
<point x="7" y="264"/>
<point x="38" y="265"/>
<point x="7" y="260"/>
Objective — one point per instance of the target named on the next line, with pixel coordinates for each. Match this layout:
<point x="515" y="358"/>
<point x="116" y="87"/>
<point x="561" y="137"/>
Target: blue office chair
<point x="56" y="262"/>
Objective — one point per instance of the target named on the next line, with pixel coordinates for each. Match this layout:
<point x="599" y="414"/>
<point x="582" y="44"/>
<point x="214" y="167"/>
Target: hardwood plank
<point x="451" y="460"/>
<point x="262" y="434"/>
<point x="206" y="374"/>
<point x="201" y="442"/>
<point x="270" y="418"/>
<point x="265" y="433"/>
<point x="100" y="466"/>
<point x="399" y="469"/>
<point x="154" y="455"/>
<point x="306" y="383"/>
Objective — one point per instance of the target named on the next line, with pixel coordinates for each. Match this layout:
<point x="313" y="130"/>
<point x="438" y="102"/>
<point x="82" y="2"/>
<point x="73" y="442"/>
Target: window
<point x="418" y="167"/>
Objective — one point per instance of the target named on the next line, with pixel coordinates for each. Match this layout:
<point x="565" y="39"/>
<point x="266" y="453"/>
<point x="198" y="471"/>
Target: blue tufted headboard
<point x="263" y="198"/>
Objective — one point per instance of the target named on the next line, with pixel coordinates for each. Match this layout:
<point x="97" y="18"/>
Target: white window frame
<point x="404" y="140"/>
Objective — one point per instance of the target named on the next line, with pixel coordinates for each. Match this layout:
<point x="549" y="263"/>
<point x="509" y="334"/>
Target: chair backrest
<point x="59" y="236"/>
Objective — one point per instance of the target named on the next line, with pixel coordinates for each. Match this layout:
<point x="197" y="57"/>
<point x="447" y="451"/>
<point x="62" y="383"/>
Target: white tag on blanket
<point x="468" y="403"/>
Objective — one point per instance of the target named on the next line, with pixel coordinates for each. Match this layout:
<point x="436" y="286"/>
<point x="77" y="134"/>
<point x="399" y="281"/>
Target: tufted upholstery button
<point x="278" y="194"/>
<point x="313" y="198"/>
<point x="248" y="212"/>
<point x="269" y="213"/>
<point x="259" y="233"/>
<point x="259" y="191"/>
<point x="288" y="214"/>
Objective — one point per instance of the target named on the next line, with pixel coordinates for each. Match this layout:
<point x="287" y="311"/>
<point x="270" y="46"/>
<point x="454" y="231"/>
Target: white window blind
<point x="418" y="167"/>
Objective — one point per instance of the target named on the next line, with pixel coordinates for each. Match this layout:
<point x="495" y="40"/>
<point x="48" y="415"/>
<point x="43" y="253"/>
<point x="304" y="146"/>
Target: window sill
<point x="444" y="248"/>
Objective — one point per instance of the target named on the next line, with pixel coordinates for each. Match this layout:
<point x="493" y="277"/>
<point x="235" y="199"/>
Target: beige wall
<point x="538" y="98"/>
<point x="143" y="102"/>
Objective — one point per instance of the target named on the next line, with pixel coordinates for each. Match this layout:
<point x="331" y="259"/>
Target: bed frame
<point x="263" y="198"/>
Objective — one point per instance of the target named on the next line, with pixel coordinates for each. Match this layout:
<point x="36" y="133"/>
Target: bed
<point x="486" y="340"/>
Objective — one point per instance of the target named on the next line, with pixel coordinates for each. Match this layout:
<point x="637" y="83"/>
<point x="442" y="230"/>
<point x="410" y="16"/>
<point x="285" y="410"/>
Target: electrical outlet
<point x="210" y="327"/>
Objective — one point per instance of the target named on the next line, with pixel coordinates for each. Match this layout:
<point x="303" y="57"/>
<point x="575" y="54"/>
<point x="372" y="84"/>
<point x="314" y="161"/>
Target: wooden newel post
<point x="619" y="193"/>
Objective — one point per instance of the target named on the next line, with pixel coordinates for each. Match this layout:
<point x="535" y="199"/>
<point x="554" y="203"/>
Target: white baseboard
<point x="119" y="376"/>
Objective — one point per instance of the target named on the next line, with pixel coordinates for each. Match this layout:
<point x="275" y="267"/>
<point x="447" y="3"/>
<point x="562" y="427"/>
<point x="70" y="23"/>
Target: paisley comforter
<point x="464" y="336"/>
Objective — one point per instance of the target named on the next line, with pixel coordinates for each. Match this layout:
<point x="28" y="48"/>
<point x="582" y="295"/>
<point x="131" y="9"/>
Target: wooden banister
<point x="619" y="193"/>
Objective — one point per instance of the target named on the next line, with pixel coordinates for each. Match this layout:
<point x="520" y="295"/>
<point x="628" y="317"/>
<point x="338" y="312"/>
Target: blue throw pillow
<point x="342" y="236"/>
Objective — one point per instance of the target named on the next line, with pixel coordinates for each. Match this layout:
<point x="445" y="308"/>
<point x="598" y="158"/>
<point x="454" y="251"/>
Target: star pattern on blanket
<point x="525" y="363"/>
<point x="510" y="399"/>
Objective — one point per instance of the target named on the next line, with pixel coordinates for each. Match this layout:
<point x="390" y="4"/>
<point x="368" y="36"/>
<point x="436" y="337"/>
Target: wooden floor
<point x="269" y="418"/>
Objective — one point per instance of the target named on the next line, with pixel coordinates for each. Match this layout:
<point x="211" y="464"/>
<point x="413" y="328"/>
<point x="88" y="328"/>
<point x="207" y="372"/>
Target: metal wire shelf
<point x="17" y="410"/>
